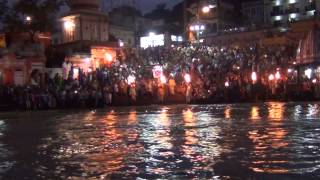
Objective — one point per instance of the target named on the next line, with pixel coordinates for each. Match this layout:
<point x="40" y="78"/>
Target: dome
<point x="84" y="4"/>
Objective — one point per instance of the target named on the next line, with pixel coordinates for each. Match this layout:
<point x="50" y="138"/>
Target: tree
<point x="32" y="16"/>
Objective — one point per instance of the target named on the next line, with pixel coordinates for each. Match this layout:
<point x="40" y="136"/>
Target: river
<point x="230" y="141"/>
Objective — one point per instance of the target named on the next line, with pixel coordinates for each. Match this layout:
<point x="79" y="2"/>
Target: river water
<point x="233" y="141"/>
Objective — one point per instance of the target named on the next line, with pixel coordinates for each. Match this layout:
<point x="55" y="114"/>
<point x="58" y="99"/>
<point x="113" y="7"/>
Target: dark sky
<point x="147" y="5"/>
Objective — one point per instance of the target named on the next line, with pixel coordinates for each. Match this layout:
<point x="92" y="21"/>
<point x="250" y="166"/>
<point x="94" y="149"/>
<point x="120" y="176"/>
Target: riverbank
<point x="146" y="100"/>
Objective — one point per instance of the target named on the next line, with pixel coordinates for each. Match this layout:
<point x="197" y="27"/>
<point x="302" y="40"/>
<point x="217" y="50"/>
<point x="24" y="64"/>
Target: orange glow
<point x="276" y="111"/>
<point x="108" y="57"/>
<point x="227" y="112"/>
<point x="255" y="113"/>
<point x="102" y="55"/>
<point x="271" y="77"/>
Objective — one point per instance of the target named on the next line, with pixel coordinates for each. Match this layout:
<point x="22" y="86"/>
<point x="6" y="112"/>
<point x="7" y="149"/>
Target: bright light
<point x="75" y="73"/>
<point x="197" y="27"/>
<point x="68" y="25"/>
<point x="292" y="1"/>
<point x="278" y="76"/>
<point x="254" y="76"/>
<point x="157" y="71"/>
<point x="131" y="79"/>
<point x="308" y="73"/>
<point x="191" y="28"/>
<point x="278" y="18"/>
<point x="108" y="57"/>
<point x="152" y="34"/>
<point x="152" y="41"/>
<point x="163" y="79"/>
<point x="271" y="77"/>
<point x="206" y="9"/>
<point x="187" y="78"/>
<point x="293" y="15"/>
<point x="121" y="44"/>
<point x="28" y="18"/>
<point x="314" y="81"/>
<point x="226" y="84"/>
<point x="290" y="70"/>
<point x="202" y="27"/>
<point x="89" y="70"/>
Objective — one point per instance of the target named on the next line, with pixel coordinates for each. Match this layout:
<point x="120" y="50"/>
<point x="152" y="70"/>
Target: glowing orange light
<point x="108" y="57"/>
<point x="271" y="77"/>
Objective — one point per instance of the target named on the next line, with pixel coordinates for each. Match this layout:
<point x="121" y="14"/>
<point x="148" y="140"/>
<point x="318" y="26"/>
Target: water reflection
<point x="227" y="112"/>
<point x="269" y="142"/>
<point x="254" y="114"/>
<point x="170" y="142"/>
<point x="276" y="110"/>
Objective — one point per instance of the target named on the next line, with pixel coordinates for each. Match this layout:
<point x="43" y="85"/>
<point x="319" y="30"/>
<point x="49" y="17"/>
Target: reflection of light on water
<point x="132" y="117"/>
<point x="270" y="170"/>
<point x="190" y="134"/>
<point x="268" y="139"/>
<point x="313" y="110"/>
<point x="255" y="113"/>
<point x="227" y="112"/>
<point x="276" y="111"/>
<point x="188" y="117"/>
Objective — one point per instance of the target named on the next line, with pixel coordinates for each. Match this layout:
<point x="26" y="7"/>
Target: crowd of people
<point x="176" y="74"/>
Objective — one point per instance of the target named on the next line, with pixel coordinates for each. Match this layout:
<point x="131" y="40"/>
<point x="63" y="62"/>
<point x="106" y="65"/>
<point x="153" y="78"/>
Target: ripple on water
<point x="271" y="140"/>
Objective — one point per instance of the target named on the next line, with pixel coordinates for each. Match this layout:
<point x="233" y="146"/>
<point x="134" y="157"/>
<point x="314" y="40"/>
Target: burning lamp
<point x="226" y="84"/>
<point x="314" y="81"/>
<point x="187" y="78"/>
<point x="278" y="76"/>
<point x="163" y="79"/>
<point x="254" y="77"/>
<point x="308" y="73"/>
<point x="131" y="79"/>
<point x="271" y="77"/>
<point x="108" y="57"/>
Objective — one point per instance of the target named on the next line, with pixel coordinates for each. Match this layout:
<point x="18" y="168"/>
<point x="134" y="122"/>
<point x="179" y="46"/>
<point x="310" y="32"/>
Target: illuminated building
<point x="215" y="15"/>
<point x="280" y="12"/>
<point x="84" y="29"/>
